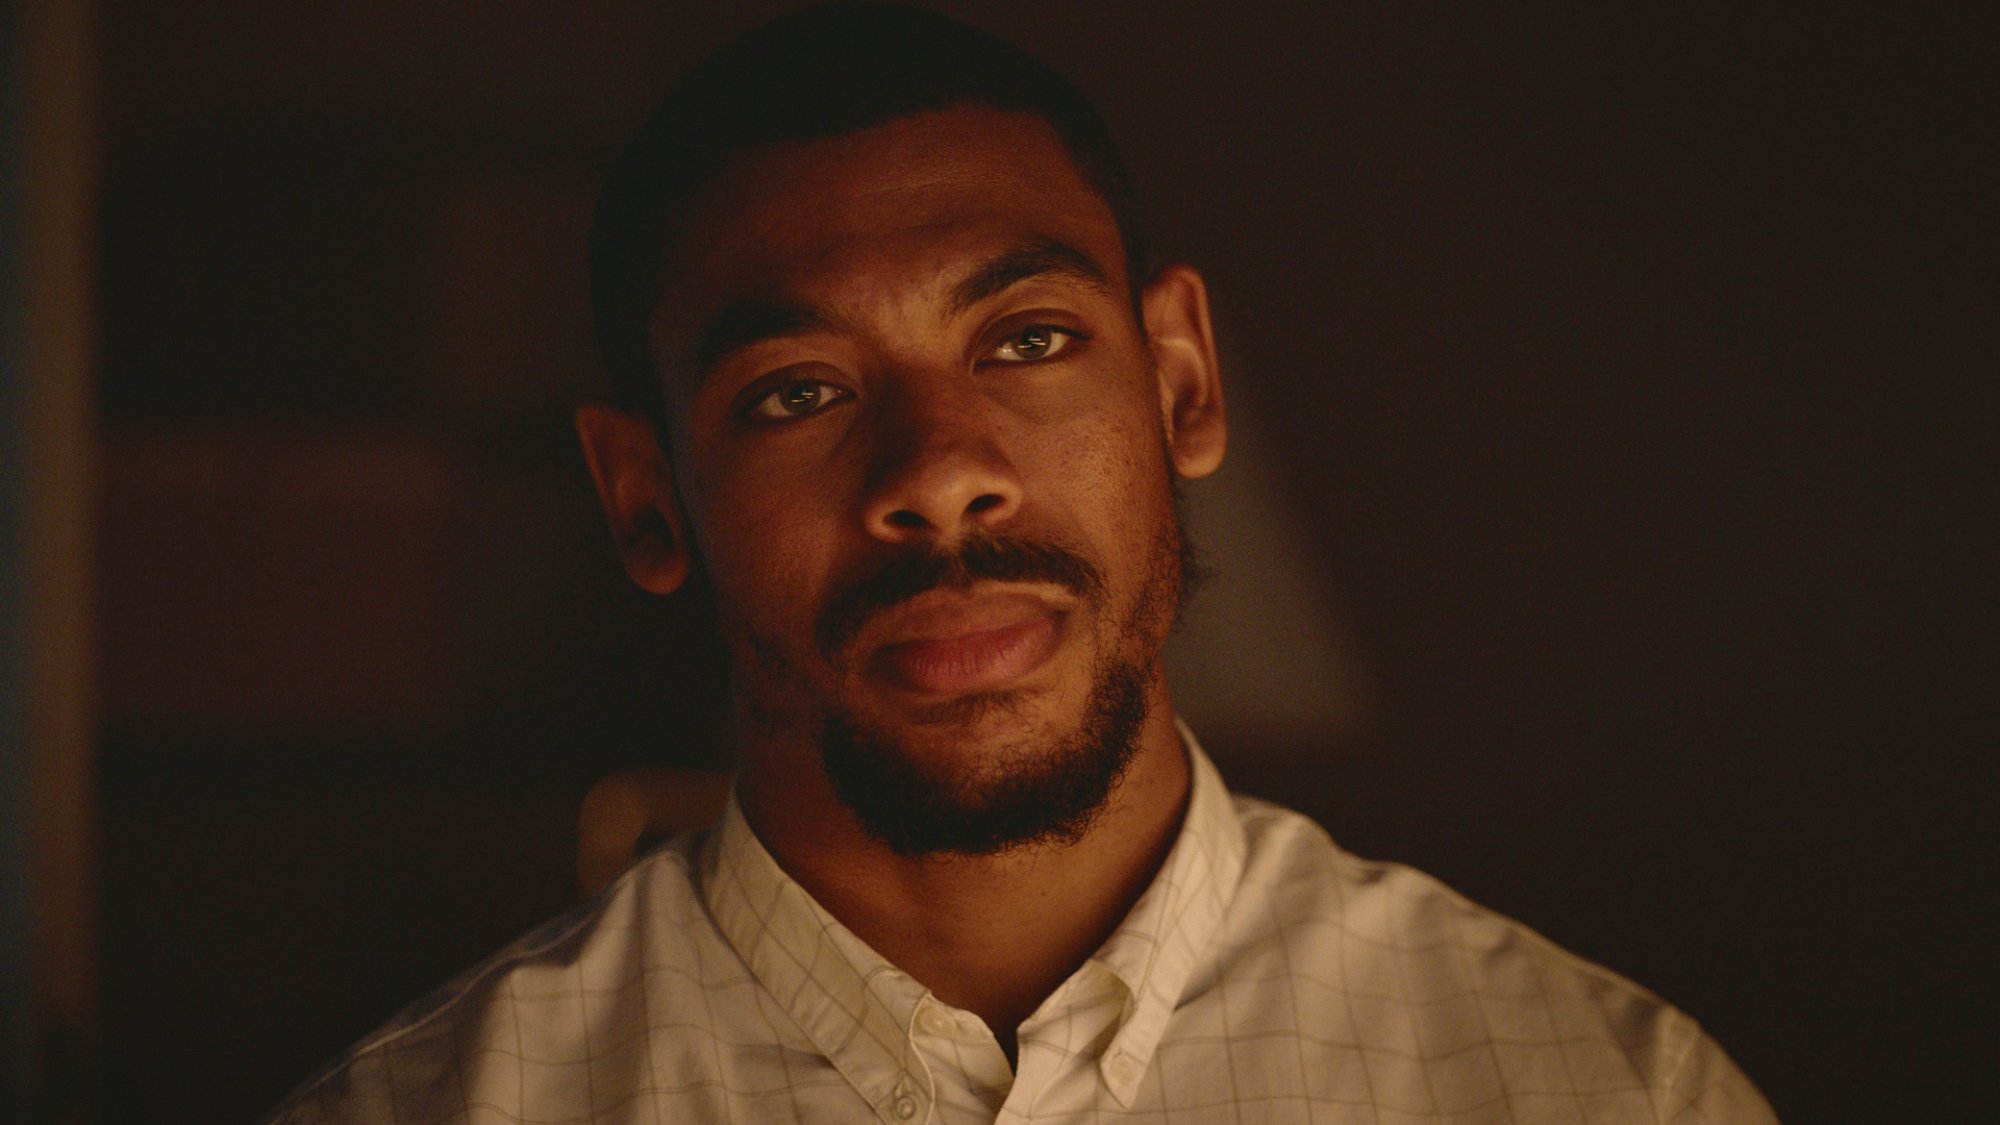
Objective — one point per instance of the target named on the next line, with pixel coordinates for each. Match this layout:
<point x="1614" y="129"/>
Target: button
<point x="1124" y="1067"/>
<point x="937" y="1022"/>
<point x="906" y="1107"/>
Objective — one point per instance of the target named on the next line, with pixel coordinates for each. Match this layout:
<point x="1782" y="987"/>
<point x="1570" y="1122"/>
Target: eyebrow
<point x="1036" y="258"/>
<point x="749" y="322"/>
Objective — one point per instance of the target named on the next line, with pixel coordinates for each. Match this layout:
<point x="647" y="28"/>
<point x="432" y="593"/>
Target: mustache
<point x="985" y="558"/>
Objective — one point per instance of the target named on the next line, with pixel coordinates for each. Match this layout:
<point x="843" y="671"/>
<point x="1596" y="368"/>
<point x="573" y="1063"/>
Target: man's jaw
<point x="923" y="795"/>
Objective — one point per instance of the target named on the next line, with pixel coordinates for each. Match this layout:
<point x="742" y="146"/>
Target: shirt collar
<point x="857" y="1008"/>
<point x="1156" y="949"/>
<point x="853" y="1005"/>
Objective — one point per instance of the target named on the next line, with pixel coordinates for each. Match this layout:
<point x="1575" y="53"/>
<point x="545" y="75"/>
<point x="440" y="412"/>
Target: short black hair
<point x="820" y="72"/>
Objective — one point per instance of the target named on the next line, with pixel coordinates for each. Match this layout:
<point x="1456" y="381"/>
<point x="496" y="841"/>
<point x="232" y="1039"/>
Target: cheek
<point x="1107" y="461"/>
<point x="767" y="545"/>
<point x="1100" y="432"/>
<point x="1108" y="473"/>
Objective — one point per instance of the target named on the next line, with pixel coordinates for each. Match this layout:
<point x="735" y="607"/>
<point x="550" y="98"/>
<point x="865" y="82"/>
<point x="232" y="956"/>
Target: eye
<point x="1035" y="342"/>
<point x="796" y="399"/>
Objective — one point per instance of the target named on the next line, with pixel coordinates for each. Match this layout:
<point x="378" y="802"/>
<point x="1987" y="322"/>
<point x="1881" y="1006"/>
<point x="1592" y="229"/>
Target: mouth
<point x="951" y="644"/>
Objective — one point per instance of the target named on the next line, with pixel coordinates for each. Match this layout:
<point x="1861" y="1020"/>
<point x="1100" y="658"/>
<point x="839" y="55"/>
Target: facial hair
<point x="1022" y="796"/>
<point x="1049" y="797"/>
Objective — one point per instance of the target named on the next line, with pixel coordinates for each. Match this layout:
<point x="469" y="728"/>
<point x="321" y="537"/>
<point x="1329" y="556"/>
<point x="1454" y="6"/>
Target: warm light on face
<point x="919" y="440"/>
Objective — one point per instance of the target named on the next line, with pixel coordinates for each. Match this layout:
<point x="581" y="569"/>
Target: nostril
<point x="982" y="503"/>
<point x="906" y="520"/>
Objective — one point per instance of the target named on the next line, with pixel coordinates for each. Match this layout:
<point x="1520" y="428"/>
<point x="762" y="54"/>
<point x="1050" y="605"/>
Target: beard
<point x="1039" y="792"/>
<point x="1047" y="795"/>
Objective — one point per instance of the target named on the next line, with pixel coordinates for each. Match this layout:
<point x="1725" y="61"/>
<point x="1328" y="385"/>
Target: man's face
<point x="920" y="441"/>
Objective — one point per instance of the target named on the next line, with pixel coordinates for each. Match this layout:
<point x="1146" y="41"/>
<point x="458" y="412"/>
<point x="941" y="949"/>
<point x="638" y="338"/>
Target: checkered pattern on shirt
<point x="1265" y="976"/>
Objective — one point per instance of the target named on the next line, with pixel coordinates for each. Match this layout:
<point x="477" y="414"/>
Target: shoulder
<point x="1297" y="874"/>
<point x="543" y="996"/>
<point x="1393" y="961"/>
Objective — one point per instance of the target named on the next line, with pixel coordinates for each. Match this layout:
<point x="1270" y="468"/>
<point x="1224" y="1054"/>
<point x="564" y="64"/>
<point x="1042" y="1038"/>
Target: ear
<point x="635" y="484"/>
<point x="1175" y="304"/>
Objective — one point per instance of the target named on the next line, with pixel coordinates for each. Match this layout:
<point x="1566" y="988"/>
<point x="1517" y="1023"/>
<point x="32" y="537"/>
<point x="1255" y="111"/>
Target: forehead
<point x="888" y="212"/>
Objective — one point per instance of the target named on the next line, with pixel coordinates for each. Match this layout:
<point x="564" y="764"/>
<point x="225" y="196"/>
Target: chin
<point x="986" y="774"/>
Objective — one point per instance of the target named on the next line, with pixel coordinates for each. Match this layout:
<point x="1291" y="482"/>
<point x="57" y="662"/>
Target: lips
<point x="954" y="644"/>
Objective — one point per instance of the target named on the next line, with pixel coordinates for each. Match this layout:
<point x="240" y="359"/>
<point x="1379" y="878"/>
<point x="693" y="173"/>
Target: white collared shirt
<point x="1264" y="975"/>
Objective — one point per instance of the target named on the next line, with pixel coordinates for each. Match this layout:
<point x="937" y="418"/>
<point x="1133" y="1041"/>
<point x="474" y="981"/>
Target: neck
<point x="993" y="935"/>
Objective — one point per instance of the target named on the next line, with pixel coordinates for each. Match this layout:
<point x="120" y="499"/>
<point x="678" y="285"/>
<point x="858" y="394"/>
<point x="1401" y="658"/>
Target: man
<point x="899" y="391"/>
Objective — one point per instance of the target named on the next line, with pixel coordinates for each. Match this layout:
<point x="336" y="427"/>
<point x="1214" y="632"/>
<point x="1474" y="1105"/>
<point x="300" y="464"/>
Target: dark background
<point x="1616" y="386"/>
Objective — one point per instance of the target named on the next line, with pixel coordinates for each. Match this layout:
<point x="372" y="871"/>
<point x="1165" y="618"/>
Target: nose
<point x="941" y="471"/>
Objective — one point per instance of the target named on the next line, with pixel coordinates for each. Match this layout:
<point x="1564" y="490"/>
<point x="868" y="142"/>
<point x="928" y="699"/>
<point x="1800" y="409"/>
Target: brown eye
<point x="1037" y="341"/>
<point x="799" y="398"/>
<point x="795" y="400"/>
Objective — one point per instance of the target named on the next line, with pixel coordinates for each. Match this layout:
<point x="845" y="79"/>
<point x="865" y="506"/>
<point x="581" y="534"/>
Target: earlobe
<point x="1175" y="303"/>
<point x="636" y="489"/>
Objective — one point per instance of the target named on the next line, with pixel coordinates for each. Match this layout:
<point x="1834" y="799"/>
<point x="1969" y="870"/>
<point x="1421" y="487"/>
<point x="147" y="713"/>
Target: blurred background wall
<point x="1608" y="528"/>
